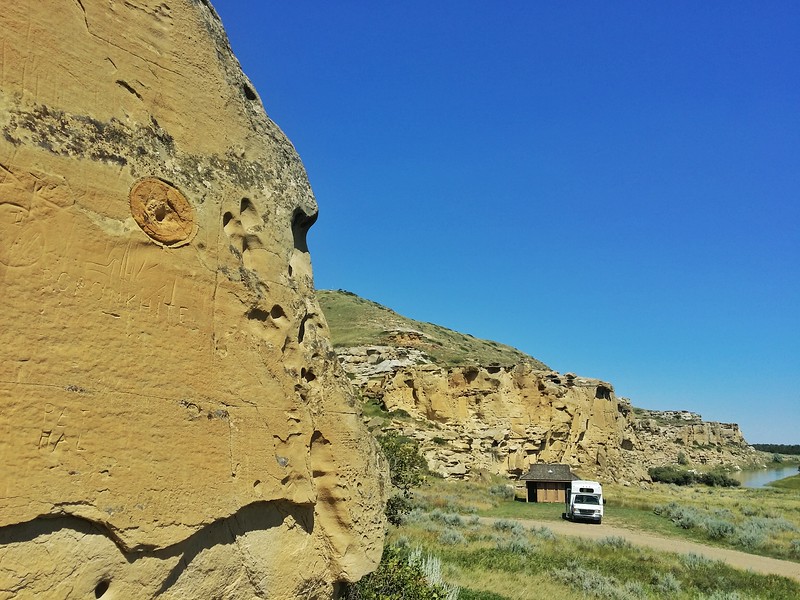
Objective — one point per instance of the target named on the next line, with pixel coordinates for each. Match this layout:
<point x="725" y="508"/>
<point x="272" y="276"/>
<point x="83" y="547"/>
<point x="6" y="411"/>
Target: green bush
<point x="671" y="475"/>
<point x="718" y="479"/>
<point x="399" y="576"/>
<point x="397" y="507"/>
<point x="407" y="467"/>
<point x="678" y="476"/>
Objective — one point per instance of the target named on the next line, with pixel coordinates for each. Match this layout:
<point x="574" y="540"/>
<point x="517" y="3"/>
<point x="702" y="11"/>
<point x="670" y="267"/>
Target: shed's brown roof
<point x="546" y="472"/>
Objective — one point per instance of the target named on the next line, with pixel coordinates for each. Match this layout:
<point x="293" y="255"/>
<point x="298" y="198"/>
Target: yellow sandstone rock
<point x="174" y="422"/>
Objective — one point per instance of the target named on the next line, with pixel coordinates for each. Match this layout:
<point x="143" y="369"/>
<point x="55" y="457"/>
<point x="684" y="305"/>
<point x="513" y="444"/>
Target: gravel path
<point x="740" y="560"/>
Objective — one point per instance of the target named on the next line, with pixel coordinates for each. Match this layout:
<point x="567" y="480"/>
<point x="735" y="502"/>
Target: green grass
<point x="790" y="483"/>
<point x="355" y="321"/>
<point x="510" y="561"/>
<point x="763" y="521"/>
<point x="513" y="563"/>
<point x="524" y="510"/>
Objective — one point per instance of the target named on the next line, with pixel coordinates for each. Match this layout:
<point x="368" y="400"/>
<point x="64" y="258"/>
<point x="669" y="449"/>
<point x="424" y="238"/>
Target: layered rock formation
<point x="668" y="434"/>
<point x="503" y="419"/>
<point x="174" y="421"/>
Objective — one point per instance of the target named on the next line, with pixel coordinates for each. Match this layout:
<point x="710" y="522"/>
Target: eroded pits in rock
<point x="101" y="588"/>
<point x="301" y="333"/>
<point x="301" y="223"/>
<point x="257" y="314"/>
<point x="249" y="93"/>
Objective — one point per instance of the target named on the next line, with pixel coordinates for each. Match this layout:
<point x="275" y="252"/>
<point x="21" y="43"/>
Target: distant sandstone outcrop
<point x="502" y="419"/>
<point x="174" y="422"/>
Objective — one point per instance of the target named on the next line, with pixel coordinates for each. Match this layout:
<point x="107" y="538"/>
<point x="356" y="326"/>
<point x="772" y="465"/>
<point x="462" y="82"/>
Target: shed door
<point x="550" y="491"/>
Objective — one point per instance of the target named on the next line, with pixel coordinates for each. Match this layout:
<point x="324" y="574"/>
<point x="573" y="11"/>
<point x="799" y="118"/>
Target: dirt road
<point x="740" y="560"/>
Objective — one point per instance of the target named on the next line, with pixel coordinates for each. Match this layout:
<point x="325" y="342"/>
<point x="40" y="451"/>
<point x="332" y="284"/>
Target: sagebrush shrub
<point x="509" y="526"/>
<point x="718" y="529"/>
<point x="403" y="575"/>
<point x="667" y="583"/>
<point x="515" y="545"/>
<point x="503" y="491"/>
<point x="451" y="537"/>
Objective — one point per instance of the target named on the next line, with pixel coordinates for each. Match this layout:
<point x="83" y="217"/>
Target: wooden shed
<point x="547" y="483"/>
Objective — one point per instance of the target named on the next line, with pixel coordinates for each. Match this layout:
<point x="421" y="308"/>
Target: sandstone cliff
<point x="668" y="434"/>
<point x="174" y="421"/>
<point x="501" y="419"/>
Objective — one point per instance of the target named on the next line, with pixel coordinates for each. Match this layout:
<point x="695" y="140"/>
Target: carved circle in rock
<point x="162" y="212"/>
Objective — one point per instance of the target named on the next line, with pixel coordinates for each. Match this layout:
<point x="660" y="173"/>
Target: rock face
<point x="499" y="419"/>
<point x="667" y="434"/>
<point x="503" y="419"/>
<point x="174" y="422"/>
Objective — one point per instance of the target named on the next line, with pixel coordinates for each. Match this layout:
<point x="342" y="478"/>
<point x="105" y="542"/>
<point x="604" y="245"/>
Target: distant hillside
<point x="355" y="321"/>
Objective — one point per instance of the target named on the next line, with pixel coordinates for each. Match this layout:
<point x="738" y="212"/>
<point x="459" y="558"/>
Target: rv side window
<point x="587" y="490"/>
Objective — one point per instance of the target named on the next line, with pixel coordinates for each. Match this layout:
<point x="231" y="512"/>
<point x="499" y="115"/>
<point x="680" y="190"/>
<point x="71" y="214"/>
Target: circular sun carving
<point x="162" y="212"/>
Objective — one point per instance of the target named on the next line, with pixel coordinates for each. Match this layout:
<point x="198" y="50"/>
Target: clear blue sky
<point x="613" y="188"/>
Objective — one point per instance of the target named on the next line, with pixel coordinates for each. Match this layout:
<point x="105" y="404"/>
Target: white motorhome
<point x="584" y="501"/>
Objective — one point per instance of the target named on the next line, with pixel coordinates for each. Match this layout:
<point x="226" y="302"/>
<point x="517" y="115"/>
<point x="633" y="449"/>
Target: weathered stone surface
<point x="174" y="421"/>
<point x="507" y="418"/>
<point x="668" y="434"/>
<point x="503" y="419"/>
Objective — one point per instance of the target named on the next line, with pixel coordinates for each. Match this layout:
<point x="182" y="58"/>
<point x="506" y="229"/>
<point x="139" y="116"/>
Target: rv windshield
<point x="586" y="499"/>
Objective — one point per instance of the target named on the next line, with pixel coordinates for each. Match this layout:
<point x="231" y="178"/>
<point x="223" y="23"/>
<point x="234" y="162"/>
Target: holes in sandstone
<point x="257" y="314"/>
<point x="248" y="215"/>
<point x="302" y="332"/>
<point x="226" y="219"/>
<point x="470" y="373"/>
<point x="101" y="588"/>
<point x="301" y="223"/>
<point x="307" y="374"/>
<point x="602" y="393"/>
<point x="249" y="93"/>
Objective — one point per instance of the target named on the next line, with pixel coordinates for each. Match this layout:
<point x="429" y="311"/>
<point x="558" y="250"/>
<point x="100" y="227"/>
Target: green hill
<point x="355" y="321"/>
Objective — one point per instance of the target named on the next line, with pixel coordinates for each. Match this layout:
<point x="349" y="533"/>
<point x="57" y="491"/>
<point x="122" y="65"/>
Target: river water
<point x="760" y="478"/>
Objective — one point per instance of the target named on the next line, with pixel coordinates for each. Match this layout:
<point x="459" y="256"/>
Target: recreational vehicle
<point x="584" y="501"/>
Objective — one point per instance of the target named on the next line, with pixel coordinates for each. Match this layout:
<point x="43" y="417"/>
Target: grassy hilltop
<point x="355" y="321"/>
